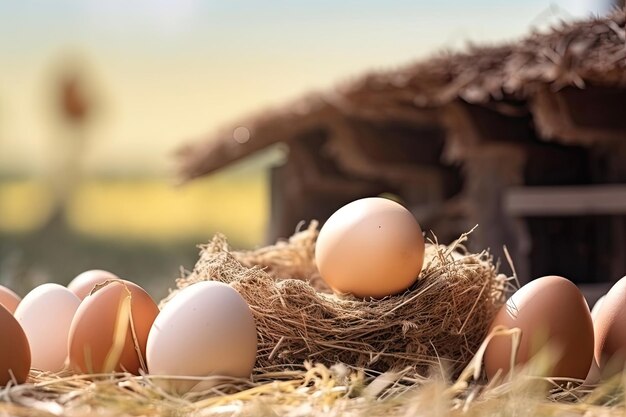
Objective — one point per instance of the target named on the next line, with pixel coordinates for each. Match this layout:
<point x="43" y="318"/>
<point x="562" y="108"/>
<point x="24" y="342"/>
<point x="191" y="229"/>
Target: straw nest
<point x="440" y="321"/>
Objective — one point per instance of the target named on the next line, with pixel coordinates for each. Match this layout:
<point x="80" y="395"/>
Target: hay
<point x="311" y="390"/>
<point x="306" y="388"/>
<point x="439" y="322"/>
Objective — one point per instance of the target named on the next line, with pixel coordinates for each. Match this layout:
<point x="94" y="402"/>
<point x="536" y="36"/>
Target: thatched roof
<point x="577" y="55"/>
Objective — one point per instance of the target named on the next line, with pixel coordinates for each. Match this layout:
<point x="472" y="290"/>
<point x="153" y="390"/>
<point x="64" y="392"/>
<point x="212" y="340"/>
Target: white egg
<point x="205" y="330"/>
<point x="45" y="314"/>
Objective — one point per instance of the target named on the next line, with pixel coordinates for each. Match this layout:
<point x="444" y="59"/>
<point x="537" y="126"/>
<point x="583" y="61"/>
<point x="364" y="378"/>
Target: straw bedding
<point x="312" y="390"/>
<point x="450" y="305"/>
<point x="439" y="322"/>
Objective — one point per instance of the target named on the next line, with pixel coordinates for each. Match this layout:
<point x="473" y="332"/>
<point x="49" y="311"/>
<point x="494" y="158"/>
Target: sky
<point x="164" y="72"/>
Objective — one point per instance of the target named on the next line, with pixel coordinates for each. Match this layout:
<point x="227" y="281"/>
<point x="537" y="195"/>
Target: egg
<point x="9" y="299"/>
<point x="372" y="247"/>
<point x="596" y="307"/>
<point x="45" y="314"/>
<point x="84" y="283"/>
<point x="550" y="312"/>
<point x="14" y="350"/>
<point x="593" y="377"/>
<point x="205" y="330"/>
<point x="610" y="330"/>
<point x="110" y="329"/>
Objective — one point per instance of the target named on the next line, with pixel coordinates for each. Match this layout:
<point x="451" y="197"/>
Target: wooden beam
<point x="583" y="117"/>
<point x="565" y="200"/>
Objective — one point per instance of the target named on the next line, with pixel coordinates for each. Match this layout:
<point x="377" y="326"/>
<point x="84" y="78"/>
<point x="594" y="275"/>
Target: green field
<point x="141" y="228"/>
<point x="145" y="210"/>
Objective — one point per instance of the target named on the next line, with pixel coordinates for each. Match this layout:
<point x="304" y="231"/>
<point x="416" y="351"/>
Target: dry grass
<point x="314" y="390"/>
<point x="325" y="388"/>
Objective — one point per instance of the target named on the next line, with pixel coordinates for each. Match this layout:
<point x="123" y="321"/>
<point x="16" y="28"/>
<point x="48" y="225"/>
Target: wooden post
<point x="490" y="170"/>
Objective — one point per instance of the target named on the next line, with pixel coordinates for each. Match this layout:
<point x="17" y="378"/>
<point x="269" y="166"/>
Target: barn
<point x="526" y="139"/>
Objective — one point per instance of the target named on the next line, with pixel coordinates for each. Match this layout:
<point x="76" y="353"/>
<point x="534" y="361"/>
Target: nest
<point x="440" y="321"/>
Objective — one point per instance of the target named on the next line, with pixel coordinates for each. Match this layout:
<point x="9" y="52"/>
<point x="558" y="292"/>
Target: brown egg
<point x="9" y="299"/>
<point x="103" y="317"/>
<point x="372" y="247"/>
<point x="84" y="283"/>
<point x="14" y="349"/>
<point x="610" y="330"/>
<point x="551" y="312"/>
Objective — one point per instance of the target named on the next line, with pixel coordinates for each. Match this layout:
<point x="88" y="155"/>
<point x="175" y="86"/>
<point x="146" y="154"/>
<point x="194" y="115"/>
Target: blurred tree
<point x="73" y="108"/>
<point x="74" y="104"/>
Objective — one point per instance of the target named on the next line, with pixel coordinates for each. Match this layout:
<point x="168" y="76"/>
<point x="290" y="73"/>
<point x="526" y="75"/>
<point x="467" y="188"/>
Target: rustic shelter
<point x="526" y="139"/>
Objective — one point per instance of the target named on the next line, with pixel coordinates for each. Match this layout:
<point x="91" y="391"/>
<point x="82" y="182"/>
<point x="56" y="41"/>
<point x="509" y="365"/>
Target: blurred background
<point x="96" y="96"/>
